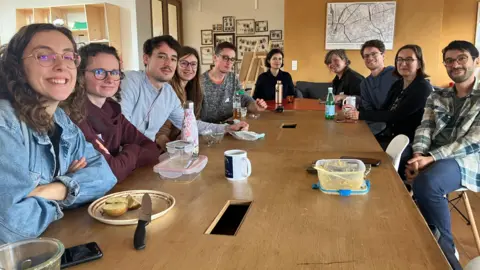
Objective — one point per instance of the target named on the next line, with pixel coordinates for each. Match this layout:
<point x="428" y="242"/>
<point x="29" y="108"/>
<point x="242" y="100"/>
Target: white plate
<point x="161" y="204"/>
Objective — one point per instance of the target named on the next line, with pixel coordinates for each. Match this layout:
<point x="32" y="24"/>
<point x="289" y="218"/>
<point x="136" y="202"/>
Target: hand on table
<point x="240" y="126"/>
<point x="77" y="165"/>
<point x="260" y="104"/>
<point x="162" y="141"/>
<point x="339" y="98"/>
<point x="352" y="114"/>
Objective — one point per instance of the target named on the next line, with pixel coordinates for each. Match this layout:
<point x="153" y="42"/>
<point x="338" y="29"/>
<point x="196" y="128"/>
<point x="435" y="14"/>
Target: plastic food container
<point x="182" y="150"/>
<point x="170" y="169"/>
<point x="32" y="254"/>
<point x="340" y="174"/>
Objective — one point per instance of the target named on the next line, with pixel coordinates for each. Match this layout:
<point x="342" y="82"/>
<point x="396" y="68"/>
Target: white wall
<point x="128" y="22"/>
<point x="212" y="12"/>
<point x="144" y="27"/>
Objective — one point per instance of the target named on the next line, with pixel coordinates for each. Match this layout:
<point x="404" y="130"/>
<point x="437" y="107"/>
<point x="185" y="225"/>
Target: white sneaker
<point x="457" y="255"/>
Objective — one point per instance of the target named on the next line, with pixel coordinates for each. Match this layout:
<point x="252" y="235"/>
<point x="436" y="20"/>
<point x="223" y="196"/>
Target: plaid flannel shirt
<point x="465" y="148"/>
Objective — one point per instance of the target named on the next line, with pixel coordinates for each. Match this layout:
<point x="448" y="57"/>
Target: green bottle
<point x="330" y="105"/>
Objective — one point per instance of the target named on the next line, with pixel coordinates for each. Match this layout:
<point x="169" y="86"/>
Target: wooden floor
<point x="462" y="232"/>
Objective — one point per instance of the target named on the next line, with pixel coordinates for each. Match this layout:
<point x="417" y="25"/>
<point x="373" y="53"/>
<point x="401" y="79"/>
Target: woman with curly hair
<point x="46" y="163"/>
<point x="122" y="145"/>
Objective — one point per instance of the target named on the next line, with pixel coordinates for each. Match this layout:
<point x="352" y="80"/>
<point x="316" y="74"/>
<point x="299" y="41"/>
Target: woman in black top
<point x="347" y="81"/>
<point x="405" y="102"/>
<point x="403" y="107"/>
<point x="265" y="85"/>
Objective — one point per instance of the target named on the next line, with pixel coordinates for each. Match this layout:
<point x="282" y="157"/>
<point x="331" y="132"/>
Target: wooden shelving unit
<point x="102" y="21"/>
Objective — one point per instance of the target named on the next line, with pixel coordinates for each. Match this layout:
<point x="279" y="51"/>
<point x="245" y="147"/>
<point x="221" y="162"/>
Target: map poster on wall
<point x="349" y="25"/>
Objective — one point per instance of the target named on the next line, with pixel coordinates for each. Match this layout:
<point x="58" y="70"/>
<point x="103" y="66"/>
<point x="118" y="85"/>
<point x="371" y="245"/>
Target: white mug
<point x="237" y="165"/>
<point x="350" y="100"/>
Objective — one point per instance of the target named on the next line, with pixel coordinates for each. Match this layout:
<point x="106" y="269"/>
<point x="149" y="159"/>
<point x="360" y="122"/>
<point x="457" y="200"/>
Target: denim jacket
<point x="27" y="160"/>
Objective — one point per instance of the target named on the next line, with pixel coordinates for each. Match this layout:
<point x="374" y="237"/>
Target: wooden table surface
<point x="300" y="104"/>
<point x="288" y="225"/>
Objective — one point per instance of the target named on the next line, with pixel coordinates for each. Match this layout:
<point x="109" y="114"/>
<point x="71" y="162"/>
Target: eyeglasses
<point x="101" y="74"/>
<point x="226" y="58"/>
<point x="407" y="61"/>
<point x="373" y="55"/>
<point x="461" y="60"/>
<point x="185" y="64"/>
<point x="47" y="58"/>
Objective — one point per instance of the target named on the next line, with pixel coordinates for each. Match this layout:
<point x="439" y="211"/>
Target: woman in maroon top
<point x="122" y="145"/>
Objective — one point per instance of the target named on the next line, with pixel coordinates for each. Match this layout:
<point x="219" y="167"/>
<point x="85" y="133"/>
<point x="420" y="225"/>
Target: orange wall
<point x="431" y="24"/>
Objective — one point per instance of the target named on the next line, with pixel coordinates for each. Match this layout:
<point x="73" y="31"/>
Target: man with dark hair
<point x="220" y="84"/>
<point x="447" y="144"/>
<point x="147" y="98"/>
<point x="375" y="87"/>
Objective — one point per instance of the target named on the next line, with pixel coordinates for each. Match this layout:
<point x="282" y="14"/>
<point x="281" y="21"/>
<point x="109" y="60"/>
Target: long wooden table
<point x="299" y="104"/>
<point x="288" y="225"/>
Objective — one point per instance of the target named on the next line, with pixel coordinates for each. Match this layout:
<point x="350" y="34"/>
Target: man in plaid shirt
<point x="447" y="144"/>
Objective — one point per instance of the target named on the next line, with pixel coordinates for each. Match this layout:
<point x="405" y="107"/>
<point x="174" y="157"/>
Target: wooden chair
<point x="470" y="219"/>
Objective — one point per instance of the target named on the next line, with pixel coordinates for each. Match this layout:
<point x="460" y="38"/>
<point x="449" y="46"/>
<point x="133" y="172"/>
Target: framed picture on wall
<point x="249" y="43"/>
<point x="276" y="44"/>
<point x="207" y="37"/>
<point x="228" y="24"/>
<point x="261" y="26"/>
<point x="222" y="37"/>
<point x="217" y="27"/>
<point x="206" y="54"/>
<point x="276" y="35"/>
<point x="245" y="27"/>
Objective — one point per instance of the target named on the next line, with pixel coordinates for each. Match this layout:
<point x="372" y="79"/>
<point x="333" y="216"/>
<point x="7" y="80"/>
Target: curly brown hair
<point x="28" y="104"/>
<point x="85" y="52"/>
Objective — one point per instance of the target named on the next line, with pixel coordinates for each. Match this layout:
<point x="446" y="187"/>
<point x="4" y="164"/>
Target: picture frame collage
<point x="240" y="32"/>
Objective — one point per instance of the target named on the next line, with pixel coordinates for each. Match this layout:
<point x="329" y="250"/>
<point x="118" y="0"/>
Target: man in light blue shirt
<point x="147" y="99"/>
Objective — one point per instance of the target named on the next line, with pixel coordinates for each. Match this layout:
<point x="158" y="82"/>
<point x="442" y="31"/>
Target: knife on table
<point x="143" y="220"/>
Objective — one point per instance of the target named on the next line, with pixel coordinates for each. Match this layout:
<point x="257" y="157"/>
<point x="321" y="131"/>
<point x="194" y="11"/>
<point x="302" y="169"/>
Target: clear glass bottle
<point x="237" y="103"/>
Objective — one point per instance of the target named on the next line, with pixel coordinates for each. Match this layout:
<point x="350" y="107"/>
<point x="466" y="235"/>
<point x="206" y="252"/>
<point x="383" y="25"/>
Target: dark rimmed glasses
<point x="185" y="64"/>
<point x="225" y="58"/>
<point x="101" y="74"/>
<point x="461" y="60"/>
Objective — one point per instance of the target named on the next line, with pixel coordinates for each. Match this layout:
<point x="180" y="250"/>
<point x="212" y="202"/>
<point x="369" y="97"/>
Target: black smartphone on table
<point x="80" y="254"/>
<point x="372" y="161"/>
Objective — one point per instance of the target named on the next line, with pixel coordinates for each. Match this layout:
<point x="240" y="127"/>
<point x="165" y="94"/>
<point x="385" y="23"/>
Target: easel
<point x="253" y="64"/>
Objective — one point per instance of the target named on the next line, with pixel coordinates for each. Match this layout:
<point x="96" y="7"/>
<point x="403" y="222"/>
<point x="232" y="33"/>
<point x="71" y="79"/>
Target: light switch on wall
<point x="294" y="65"/>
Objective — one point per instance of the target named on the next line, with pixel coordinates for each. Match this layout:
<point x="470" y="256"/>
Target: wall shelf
<point x="102" y="21"/>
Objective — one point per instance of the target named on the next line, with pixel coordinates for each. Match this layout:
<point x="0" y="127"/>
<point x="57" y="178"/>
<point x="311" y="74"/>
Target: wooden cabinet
<point x="89" y="23"/>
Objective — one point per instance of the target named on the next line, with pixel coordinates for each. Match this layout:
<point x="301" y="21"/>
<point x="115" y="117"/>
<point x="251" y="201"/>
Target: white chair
<point x="470" y="219"/>
<point x="396" y="147"/>
<point x="473" y="264"/>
